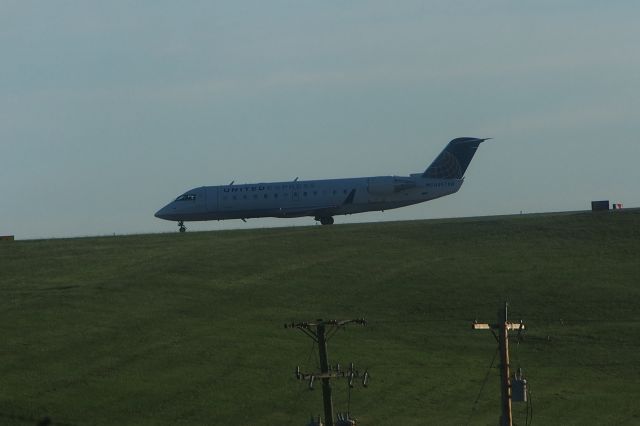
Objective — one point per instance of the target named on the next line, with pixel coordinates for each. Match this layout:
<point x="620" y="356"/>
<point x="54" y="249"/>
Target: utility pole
<point x="320" y="332"/>
<point x="324" y="369"/>
<point x="503" y="326"/>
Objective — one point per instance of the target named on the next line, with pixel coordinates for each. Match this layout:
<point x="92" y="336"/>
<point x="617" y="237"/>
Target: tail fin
<point x="454" y="159"/>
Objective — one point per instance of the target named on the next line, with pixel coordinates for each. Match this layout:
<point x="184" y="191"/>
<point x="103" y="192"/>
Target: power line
<point x="484" y="383"/>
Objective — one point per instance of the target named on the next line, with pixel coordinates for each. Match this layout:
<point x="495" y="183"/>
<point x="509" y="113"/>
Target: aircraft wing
<point x="316" y="210"/>
<point x="299" y="211"/>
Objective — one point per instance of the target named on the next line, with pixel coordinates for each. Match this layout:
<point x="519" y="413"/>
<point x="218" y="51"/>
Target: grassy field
<point x="188" y="329"/>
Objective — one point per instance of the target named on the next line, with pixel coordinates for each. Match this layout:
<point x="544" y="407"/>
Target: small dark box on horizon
<point x="599" y="206"/>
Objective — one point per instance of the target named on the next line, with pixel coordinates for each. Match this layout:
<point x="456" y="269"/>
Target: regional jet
<point x="324" y="199"/>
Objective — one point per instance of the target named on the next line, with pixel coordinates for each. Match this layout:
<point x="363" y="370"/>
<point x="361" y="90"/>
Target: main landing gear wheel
<point x="182" y="227"/>
<point x="325" y="220"/>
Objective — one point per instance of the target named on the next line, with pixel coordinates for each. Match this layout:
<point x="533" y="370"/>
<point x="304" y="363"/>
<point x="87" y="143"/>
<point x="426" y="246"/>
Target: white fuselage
<point x="320" y="198"/>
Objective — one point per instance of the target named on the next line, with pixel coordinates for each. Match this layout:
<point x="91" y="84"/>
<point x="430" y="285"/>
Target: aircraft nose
<point x="163" y="213"/>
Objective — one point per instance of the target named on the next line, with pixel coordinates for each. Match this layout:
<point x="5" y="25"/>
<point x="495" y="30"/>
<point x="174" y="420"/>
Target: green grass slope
<point x="188" y="329"/>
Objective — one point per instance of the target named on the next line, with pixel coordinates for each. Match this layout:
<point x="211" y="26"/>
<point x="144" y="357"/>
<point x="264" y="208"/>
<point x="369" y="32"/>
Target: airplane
<point x="324" y="199"/>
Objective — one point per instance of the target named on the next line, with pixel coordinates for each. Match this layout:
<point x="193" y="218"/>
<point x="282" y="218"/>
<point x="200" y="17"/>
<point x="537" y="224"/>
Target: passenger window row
<point x="284" y="195"/>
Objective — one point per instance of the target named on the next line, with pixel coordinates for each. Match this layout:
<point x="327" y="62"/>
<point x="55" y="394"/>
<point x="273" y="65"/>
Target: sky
<point x="109" y="110"/>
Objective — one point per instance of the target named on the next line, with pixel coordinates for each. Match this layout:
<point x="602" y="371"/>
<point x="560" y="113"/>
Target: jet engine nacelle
<point x="388" y="185"/>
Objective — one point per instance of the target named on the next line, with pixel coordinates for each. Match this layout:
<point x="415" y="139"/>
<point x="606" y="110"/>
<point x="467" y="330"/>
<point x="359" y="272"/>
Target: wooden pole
<point x="507" y="417"/>
<point x="324" y="368"/>
<point x="501" y="333"/>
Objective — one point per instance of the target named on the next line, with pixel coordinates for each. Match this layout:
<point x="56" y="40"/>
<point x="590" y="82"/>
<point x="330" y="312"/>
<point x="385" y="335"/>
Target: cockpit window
<point x="186" y="197"/>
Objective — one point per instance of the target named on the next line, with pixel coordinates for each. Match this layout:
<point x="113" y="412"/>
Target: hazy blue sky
<point x="110" y="109"/>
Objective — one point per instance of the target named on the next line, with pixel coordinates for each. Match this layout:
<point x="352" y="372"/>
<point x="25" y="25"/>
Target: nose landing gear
<point x="182" y="228"/>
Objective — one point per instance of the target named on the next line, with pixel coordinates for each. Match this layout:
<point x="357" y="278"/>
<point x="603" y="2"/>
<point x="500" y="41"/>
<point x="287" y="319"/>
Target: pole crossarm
<point x="481" y="326"/>
<point x="336" y="372"/>
<point x="509" y="325"/>
<point x="332" y="325"/>
<point x="336" y="323"/>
